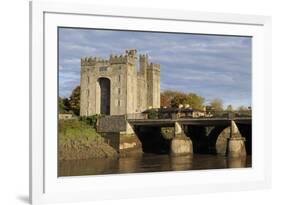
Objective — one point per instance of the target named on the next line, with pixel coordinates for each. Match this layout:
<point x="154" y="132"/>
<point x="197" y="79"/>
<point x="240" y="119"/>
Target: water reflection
<point x="181" y="163"/>
<point x="149" y="163"/>
<point x="237" y="162"/>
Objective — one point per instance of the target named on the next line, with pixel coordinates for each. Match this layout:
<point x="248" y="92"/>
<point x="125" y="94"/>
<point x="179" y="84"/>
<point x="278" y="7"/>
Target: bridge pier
<point x="236" y="144"/>
<point x="180" y="144"/>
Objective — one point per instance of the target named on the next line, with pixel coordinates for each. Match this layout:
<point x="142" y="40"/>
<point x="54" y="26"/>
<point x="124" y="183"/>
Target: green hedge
<point x="90" y="120"/>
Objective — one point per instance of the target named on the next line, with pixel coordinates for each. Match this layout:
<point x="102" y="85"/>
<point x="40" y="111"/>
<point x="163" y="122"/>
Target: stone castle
<point x="124" y="84"/>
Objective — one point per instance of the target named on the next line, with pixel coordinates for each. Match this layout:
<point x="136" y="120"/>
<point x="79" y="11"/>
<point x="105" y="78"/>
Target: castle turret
<point x="143" y="64"/>
<point x="142" y="82"/>
<point x="153" y="85"/>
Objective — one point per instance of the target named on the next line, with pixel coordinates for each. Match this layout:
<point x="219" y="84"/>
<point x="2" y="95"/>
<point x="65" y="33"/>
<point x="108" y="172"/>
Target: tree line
<point x="168" y="98"/>
<point x="171" y="98"/>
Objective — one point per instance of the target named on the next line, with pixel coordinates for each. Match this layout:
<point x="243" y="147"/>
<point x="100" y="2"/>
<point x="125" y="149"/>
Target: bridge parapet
<point x="136" y="116"/>
<point x="179" y="113"/>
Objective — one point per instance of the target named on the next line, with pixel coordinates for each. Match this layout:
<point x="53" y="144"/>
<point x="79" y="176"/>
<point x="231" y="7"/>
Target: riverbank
<point x="78" y="140"/>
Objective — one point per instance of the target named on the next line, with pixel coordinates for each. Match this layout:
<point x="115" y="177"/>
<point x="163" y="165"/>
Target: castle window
<point x="103" y="68"/>
<point x="119" y="78"/>
<point x="119" y="103"/>
<point x="88" y="92"/>
<point x="88" y="79"/>
<point x="120" y="67"/>
<point x="119" y="90"/>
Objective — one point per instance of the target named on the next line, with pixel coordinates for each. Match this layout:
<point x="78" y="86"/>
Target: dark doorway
<point x="104" y="96"/>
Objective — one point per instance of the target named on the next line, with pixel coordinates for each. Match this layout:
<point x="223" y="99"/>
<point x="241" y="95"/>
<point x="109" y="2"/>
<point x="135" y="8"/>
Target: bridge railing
<point x="139" y="116"/>
<point x="231" y="114"/>
<point x="178" y="113"/>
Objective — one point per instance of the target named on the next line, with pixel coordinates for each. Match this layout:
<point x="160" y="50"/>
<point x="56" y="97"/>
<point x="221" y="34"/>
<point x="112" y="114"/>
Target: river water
<point x="149" y="163"/>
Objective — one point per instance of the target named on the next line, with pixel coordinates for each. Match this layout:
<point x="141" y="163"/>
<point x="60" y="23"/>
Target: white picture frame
<point x="46" y="187"/>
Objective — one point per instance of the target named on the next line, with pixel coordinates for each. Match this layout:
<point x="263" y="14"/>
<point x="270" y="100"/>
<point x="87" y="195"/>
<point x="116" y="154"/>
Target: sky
<point x="211" y="66"/>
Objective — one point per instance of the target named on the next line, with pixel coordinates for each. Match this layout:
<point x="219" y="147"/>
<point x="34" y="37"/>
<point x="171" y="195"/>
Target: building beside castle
<point x="122" y="84"/>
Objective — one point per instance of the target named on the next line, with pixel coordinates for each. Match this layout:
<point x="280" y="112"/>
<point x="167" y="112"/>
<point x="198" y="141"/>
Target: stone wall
<point x="115" y="123"/>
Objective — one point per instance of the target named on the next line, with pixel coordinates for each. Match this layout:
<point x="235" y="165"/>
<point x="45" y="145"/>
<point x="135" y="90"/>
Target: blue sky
<point x="211" y="66"/>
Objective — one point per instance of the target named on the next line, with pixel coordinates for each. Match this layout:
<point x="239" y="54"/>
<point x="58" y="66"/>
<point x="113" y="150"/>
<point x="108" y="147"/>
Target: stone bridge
<point x="189" y="135"/>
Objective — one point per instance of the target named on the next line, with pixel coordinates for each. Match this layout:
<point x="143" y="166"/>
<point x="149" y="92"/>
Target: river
<point x="149" y="163"/>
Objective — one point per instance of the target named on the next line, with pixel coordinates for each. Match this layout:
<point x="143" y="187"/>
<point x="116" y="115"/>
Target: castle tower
<point x="131" y="82"/>
<point x="116" y="87"/>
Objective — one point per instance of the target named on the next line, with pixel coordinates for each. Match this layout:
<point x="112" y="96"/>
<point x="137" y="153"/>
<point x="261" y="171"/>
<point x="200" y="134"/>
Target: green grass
<point x="74" y="131"/>
<point x="79" y="140"/>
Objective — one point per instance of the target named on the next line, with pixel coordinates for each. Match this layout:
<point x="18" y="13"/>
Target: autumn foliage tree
<point x="195" y="101"/>
<point x="167" y="96"/>
<point x="171" y="98"/>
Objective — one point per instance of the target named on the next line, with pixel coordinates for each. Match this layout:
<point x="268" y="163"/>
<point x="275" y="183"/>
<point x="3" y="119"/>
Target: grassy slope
<point x="78" y="140"/>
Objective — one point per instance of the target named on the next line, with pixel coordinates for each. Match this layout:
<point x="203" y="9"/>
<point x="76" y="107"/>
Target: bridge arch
<point x="218" y="131"/>
<point x="152" y="139"/>
<point x="213" y="139"/>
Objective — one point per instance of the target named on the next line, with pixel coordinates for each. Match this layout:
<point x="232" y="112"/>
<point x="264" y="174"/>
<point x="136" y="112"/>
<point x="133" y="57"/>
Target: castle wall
<point x="83" y="92"/>
<point x="131" y="89"/>
<point x="142" y="84"/>
<point x="142" y="93"/>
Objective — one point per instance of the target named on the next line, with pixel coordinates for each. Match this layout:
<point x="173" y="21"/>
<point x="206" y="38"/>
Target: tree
<point x="167" y="96"/>
<point x="179" y="98"/>
<point x="246" y="111"/>
<point x="63" y="105"/>
<point x="216" y="104"/>
<point x="242" y="108"/>
<point x="229" y="108"/>
<point x="74" y="101"/>
<point x="193" y="100"/>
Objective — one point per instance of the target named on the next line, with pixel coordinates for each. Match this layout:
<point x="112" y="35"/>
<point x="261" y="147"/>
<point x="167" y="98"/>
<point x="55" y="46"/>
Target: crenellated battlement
<point x="154" y="66"/>
<point x="143" y="57"/>
<point x="92" y="61"/>
<point x="121" y="59"/>
<point x="128" y="57"/>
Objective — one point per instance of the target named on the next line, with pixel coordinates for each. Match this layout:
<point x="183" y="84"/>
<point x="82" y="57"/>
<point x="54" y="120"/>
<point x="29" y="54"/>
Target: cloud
<point x="212" y="66"/>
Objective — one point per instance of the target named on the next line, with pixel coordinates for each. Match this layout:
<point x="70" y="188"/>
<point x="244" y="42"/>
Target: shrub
<point x="152" y="114"/>
<point x="90" y="120"/>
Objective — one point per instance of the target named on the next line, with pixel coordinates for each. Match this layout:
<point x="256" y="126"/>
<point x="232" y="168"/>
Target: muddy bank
<point x="76" y="150"/>
<point x="129" y="146"/>
<point x="79" y="140"/>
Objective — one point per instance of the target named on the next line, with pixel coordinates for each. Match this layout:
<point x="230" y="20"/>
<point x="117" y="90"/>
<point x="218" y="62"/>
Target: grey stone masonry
<point x="119" y="85"/>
